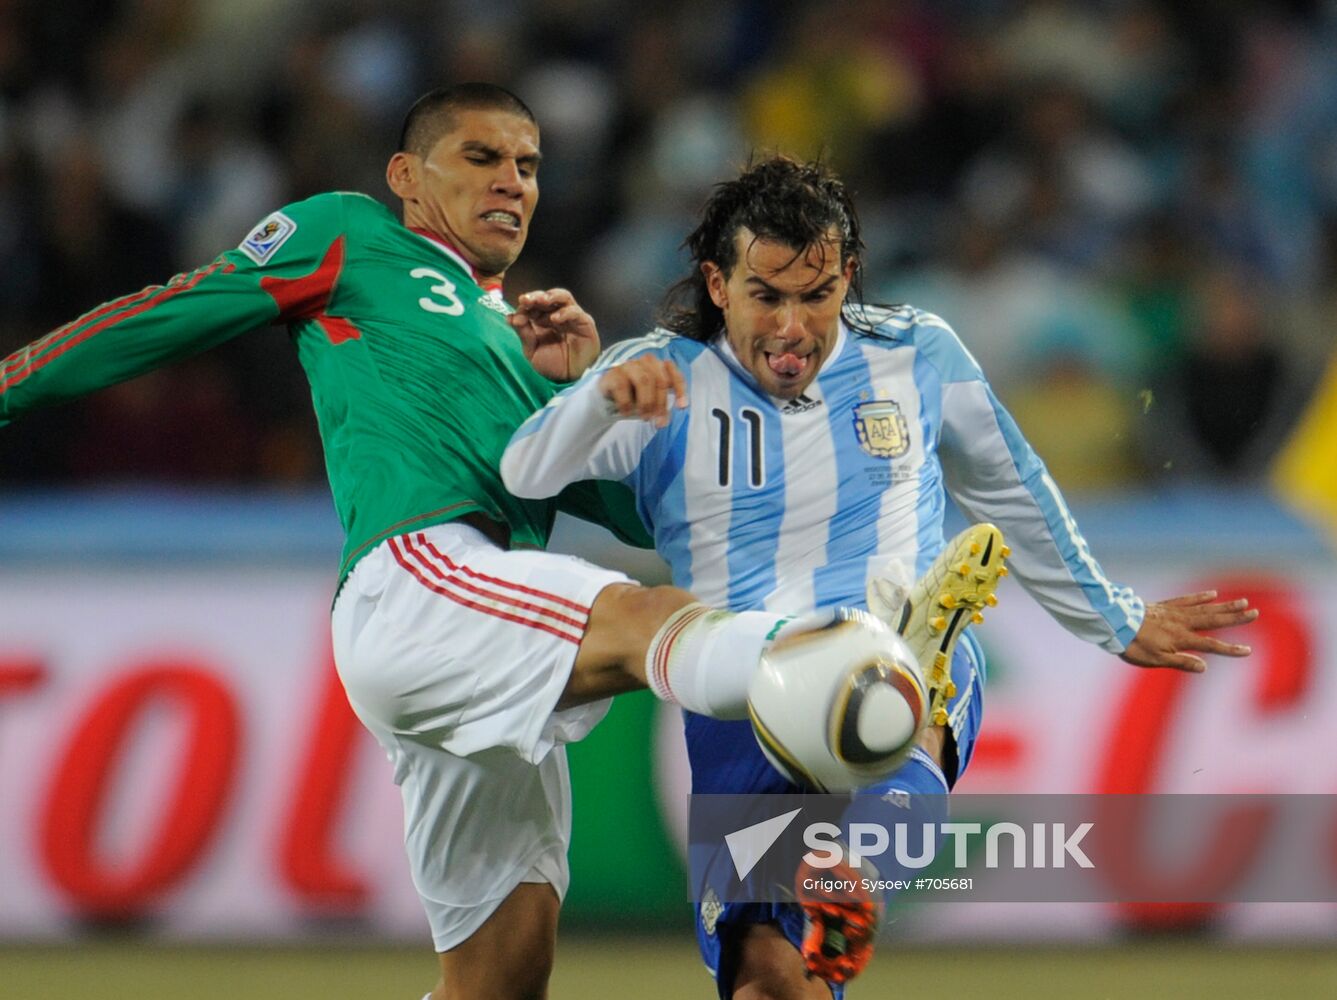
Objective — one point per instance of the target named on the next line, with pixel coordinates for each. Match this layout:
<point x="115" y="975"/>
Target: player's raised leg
<point x="687" y="653"/>
<point x="473" y="665"/>
<point x="952" y="594"/>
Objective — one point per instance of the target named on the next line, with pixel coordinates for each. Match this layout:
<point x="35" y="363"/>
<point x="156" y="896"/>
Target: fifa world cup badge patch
<point x="267" y="237"/>
<point x="881" y="428"/>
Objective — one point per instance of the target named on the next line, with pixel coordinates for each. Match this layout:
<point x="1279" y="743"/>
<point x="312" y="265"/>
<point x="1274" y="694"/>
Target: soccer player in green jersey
<point x="470" y="654"/>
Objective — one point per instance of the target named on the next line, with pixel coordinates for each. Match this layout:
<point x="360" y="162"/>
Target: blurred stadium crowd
<point x="1127" y="208"/>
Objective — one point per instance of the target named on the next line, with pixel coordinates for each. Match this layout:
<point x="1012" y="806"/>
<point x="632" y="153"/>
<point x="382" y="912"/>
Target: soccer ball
<point x="840" y="706"/>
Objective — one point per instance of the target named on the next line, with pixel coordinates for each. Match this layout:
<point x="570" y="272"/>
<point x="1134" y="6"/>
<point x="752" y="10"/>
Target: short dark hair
<point x="433" y="114"/>
<point x="781" y="199"/>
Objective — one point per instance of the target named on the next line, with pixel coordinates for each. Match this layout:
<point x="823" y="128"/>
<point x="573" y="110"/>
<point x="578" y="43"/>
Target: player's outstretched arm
<point x="135" y="334"/>
<point x="640" y="388"/>
<point x="1172" y="633"/>
<point x="583" y="433"/>
<point x="558" y="336"/>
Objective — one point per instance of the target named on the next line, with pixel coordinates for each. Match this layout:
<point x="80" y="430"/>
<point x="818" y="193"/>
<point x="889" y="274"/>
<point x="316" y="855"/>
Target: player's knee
<point x="646" y="608"/>
<point x="654" y="606"/>
<point x="626" y="618"/>
<point x="622" y="623"/>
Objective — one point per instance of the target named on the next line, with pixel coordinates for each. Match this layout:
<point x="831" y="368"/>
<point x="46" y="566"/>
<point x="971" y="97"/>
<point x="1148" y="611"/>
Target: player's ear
<point x="715" y="283"/>
<point x="401" y="173"/>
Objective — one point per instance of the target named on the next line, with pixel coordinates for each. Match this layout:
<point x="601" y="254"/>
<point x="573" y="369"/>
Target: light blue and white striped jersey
<point x="791" y="505"/>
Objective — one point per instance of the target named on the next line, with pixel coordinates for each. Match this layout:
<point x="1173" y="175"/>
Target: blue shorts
<point x="725" y="759"/>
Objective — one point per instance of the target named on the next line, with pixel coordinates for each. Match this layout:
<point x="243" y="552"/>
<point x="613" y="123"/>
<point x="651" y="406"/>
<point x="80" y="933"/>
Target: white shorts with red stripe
<point x="453" y="653"/>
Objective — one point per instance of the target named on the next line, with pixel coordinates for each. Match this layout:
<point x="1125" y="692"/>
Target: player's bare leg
<point x="769" y="966"/>
<point x="933" y="741"/>
<point x="770" y="969"/>
<point x="931" y="615"/>
<point x="841" y="928"/>
<point x="624" y="620"/>
<point x="698" y="657"/>
<point x="510" y="957"/>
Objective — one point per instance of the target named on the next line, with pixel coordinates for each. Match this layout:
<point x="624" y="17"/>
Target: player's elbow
<point x="518" y="475"/>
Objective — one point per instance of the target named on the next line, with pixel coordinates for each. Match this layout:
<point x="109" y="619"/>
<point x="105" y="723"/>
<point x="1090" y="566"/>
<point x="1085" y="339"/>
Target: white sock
<point x="703" y="659"/>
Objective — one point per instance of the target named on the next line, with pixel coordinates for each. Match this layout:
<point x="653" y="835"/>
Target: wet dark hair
<point x="779" y="199"/>
<point x="433" y="114"/>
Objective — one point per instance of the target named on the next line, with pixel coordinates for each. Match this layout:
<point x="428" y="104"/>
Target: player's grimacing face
<point x="781" y="308"/>
<point x="478" y="187"/>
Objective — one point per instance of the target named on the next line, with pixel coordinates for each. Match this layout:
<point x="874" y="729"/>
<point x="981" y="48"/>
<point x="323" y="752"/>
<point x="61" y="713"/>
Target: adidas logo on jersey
<point x="800" y="404"/>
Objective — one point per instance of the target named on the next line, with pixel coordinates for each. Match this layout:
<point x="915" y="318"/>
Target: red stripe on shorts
<point x="485" y="609"/>
<point x="553" y="598"/>
<point x="453" y="580"/>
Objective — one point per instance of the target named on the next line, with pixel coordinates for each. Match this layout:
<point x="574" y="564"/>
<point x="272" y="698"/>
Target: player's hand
<point x="559" y="337"/>
<point x="1172" y="633"/>
<point x="640" y="388"/>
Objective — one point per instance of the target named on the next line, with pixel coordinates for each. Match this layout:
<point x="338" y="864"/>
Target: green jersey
<point x="417" y="379"/>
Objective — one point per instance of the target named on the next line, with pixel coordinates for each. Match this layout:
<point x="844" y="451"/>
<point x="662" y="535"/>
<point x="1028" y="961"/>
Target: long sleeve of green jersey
<point x="243" y="289"/>
<point x="417" y="379"/>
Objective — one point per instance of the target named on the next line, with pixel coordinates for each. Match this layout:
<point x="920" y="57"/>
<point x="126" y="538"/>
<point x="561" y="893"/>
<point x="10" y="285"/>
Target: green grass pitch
<point x="652" y="968"/>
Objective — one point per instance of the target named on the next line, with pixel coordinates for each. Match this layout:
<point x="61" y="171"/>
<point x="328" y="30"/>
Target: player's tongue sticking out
<point x="786" y="365"/>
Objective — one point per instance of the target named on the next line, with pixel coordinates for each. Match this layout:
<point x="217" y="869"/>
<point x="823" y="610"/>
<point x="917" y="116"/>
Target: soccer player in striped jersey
<point x="471" y="655"/>
<point x="790" y="441"/>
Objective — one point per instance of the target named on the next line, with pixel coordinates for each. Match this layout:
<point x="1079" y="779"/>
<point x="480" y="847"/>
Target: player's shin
<point x="703" y="659"/>
<point x="911" y="806"/>
<point x="843" y="905"/>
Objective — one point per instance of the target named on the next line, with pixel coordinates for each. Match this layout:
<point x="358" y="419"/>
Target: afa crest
<point x="881" y="428"/>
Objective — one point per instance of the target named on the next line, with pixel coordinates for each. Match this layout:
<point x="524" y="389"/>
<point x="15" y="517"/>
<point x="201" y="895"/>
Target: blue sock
<point x="913" y="796"/>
